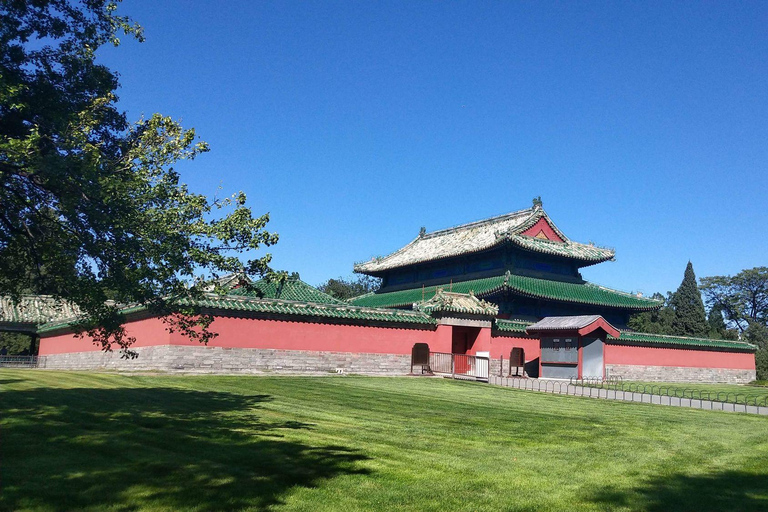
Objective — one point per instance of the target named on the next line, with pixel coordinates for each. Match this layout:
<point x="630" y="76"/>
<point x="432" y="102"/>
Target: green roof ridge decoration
<point x="291" y="288"/>
<point x="36" y="310"/>
<point x="580" y="293"/>
<point x="229" y="282"/>
<point x="640" y="338"/>
<point x="511" y="325"/>
<point x="483" y="235"/>
<point x="244" y="303"/>
<point x="449" y="302"/>
<point x="634" y="338"/>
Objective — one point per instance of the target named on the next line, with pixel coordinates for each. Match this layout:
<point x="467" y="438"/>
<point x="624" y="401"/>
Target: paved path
<point x="566" y="388"/>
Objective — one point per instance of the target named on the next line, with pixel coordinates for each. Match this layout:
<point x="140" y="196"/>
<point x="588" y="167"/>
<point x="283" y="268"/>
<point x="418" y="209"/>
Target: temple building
<point x="520" y="261"/>
<point x="508" y="288"/>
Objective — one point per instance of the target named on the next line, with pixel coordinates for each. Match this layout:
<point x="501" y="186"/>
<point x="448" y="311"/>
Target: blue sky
<point x="643" y="126"/>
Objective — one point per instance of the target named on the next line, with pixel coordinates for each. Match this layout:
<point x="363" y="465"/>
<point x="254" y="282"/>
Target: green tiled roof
<point x="245" y="304"/>
<point x="454" y="302"/>
<point x="290" y="307"/>
<point x="635" y="338"/>
<point x="586" y="293"/>
<point x="292" y="289"/>
<point x="516" y="326"/>
<point x="35" y="309"/>
<point x="408" y="297"/>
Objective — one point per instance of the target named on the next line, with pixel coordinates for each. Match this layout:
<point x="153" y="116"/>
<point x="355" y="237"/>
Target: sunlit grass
<point x="87" y="441"/>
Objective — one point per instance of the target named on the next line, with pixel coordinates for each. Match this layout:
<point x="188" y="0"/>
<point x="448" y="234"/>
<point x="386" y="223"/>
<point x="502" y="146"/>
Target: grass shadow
<point x="131" y="448"/>
<point x="728" y="490"/>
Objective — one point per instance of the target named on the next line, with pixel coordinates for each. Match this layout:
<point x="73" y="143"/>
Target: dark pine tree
<point x="690" y="318"/>
<point x="717" y="327"/>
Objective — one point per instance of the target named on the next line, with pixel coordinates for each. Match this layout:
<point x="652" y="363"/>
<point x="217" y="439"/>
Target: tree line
<point x="719" y="307"/>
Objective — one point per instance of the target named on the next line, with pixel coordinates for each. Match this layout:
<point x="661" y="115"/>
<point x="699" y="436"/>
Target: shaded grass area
<point x="137" y="442"/>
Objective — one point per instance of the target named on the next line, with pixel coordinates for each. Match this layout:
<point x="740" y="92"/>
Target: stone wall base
<point x="174" y="358"/>
<point x="679" y="374"/>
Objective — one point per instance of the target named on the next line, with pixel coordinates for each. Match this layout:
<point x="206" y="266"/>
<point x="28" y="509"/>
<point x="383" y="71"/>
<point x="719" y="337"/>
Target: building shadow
<point x="164" y="448"/>
<point x="728" y="490"/>
<point x="532" y="368"/>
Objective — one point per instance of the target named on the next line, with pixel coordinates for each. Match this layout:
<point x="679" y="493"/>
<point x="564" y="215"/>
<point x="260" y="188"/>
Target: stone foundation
<point x="174" y="358"/>
<point x="679" y="374"/>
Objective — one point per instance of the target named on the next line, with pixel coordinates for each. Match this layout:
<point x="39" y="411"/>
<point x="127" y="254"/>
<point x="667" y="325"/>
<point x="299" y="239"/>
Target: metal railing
<point x="688" y="393"/>
<point x="615" y="389"/>
<point x="459" y="366"/>
<point x="18" y="361"/>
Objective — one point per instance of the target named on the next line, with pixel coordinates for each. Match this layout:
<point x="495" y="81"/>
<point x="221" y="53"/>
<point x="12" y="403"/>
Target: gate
<point x="459" y="366"/>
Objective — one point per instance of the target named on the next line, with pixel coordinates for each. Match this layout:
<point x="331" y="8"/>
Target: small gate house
<point x="572" y="346"/>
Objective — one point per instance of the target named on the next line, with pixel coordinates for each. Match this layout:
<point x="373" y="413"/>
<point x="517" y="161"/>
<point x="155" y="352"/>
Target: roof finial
<point x="422" y="231"/>
<point x="537" y="202"/>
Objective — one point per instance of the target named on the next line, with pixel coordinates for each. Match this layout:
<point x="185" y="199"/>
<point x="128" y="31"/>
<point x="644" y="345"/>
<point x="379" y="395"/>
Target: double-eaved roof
<point x="483" y="235"/>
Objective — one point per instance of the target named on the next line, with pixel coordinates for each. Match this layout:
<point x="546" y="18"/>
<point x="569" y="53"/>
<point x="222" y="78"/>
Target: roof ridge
<point x="547" y="240"/>
<point x="676" y="336"/>
<point x="622" y="292"/>
<point x="319" y="305"/>
<point x="489" y="220"/>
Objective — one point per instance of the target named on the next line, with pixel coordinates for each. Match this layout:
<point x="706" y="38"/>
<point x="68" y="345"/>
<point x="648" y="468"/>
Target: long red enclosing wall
<point x="653" y="356"/>
<point x="235" y="332"/>
<point x="272" y="334"/>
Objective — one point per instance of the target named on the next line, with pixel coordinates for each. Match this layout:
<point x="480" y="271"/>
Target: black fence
<point x="683" y="392"/>
<point x="18" y="361"/>
<point x="615" y="389"/>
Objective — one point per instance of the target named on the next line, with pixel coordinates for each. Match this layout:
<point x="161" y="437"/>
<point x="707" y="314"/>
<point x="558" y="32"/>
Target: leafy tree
<point x="91" y="206"/>
<point x="757" y="334"/>
<point x="690" y="318"/>
<point x="346" y="288"/>
<point x="15" y="343"/>
<point x="717" y="326"/>
<point x="743" y="298"/>
<point x="654" y="322"/>
<point x="716" y="322"/>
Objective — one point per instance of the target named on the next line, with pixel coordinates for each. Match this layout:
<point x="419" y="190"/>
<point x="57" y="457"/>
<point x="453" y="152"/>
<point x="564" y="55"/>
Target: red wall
<point x="275" y="334"/>
<point x="650" y="356"/>
<point x="500" y="346"/>
<point x="148" y="332"/>
<point x="286" y="335"/>
<point x="542" y="225"/>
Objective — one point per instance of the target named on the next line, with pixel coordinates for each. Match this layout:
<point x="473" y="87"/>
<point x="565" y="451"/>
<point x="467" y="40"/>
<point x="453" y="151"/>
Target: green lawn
<point x="88" y="441"/>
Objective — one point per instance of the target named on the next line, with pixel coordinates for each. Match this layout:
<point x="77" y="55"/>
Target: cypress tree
<point x="690" y="318"/>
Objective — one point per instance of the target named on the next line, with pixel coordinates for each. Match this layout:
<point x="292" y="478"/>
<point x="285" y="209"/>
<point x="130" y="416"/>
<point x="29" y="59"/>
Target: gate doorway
<point x="462" y="342"/>
<point x="592" y="358"/>
<point x="463" y="339"/>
